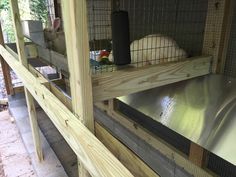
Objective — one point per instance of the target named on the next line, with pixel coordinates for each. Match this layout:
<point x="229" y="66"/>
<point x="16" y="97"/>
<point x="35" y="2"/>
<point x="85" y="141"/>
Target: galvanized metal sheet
<point x="201" y="109"/>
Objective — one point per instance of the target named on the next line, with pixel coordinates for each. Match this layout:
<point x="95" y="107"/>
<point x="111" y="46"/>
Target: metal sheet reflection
<point x="202" y="110"/>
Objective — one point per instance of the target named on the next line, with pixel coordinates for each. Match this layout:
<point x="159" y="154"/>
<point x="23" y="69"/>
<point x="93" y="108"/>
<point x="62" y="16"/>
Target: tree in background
<point x="6" y="21"/>
<point x="39" y="10"/>
<point x="4" y="5"/>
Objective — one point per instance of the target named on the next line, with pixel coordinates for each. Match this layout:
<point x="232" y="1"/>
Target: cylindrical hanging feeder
<point x="120" y="38"/>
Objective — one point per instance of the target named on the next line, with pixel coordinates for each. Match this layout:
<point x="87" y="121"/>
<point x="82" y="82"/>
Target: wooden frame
<point x="215" y="36"/>
<point x="74" y="117"/>
<point x="96" y="158"/>
<point x="124" y="82"/>
<point x="193" y="165"/>
<point x="6" y="69"/>
<point x="23" y="60"/>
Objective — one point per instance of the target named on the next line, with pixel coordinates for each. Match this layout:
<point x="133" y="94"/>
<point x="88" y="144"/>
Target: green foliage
<point x="8" y="26"/>
<point x="4" y="5"/>
<point x="39" y="10"/>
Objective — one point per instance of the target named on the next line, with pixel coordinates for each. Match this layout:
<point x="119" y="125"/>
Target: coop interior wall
<point x="230" y="64"/>
<point x="181" y="20"/>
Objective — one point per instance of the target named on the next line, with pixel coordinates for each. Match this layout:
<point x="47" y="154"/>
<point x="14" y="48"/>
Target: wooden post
<point x="77" y="44"/>
<point x="22" y="58"/>
<point x="227" y="23"/>
<point x="197" y="155"/>
<point x="6" y="69"/>
<point x="214" y="37"/>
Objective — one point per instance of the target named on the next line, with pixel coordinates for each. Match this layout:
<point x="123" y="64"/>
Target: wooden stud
<point x="75" y="24"/>
<point x="136" y="166"/>
<point x="6" y="69"/>
<point x="18" y="89"/>
<point x="65" y="99"/>
<point x="97" y="159"/>
<point x="127" y="81"/>
<point x="197" y="155"/>
<point x="77" y="44"/>
<point x="156" y="142"/>
<point x="214" y="34"/>
<point x="226" y="31"/>
<point x="23" y="60"/>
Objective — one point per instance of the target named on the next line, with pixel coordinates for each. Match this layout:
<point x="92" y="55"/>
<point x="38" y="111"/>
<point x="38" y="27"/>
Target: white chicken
<point x="154" y="49"/>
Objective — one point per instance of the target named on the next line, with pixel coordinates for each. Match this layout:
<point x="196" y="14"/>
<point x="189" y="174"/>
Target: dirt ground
<point x="14" y="159"/>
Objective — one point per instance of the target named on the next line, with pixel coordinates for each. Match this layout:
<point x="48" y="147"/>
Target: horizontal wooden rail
<point x="127" y="81"/>
<point x="52" y="86"/>
<point x="97" y="159"/>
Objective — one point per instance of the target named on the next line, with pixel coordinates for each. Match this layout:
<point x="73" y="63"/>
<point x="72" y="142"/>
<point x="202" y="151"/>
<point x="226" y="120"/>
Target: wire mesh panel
<point x="230" y="65"/>
<point x="160" y="30"/>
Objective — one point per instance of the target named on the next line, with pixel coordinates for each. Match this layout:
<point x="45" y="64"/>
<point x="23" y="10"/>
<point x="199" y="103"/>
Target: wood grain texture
<point x="34" y="125"/>
<point x="65" y="99"/>
<point x="197" y="155"/>
<point x="226" y="31"/>
<point x="77" y="44"/>
<point x="24" y="63"/>
<point x="215" y="30"/>
<point x="77" y="47"/>
<point x="136" y="166"/>
<point x="169" y="151"/>
<point x="124" y="82"/>
<point x="5" y="69"/>
<point x="97" y="159"/>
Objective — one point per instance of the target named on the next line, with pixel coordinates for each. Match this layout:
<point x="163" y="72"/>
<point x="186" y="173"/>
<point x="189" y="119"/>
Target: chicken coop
<point x="135" y="88"/>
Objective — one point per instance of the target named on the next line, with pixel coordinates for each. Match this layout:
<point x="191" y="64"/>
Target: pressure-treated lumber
<point x="124" y="82"/>
<point x="77" y="47"/>
<point x="136" y="166"/>
<point x="226" y="31"/>
<point x="197" y="155"/>
<point x="23" y="60"/>
<point x="5" y="69"/>
<point x="65" y="99"/>
<point x="18" y="89"/>
<point x="97" y="159"/>
<point x="214" y="33"/>
<point x="76" y="34"/>
<point x="169" y="151"/>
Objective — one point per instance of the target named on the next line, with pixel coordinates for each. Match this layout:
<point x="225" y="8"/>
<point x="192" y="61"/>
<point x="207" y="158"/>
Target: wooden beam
<point x="197" y="155"/>
<point x="124" y="82"/>
<point x="97" y="159"/>
<point x="214" y="33"/>
<point x="5" y="69"/>
<point x="136" y="166"/>
<point x="77" y="47"/>
<point x="23" y="60"/>
<point x="18" y="89"/>
<point x="169" y="151"/>
<point x="226" y="31"/>
<point x="76" y="34"/>
<point x="65" y="99"/>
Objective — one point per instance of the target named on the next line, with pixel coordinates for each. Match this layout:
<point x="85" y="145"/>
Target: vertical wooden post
<point x="22" y="58"/>
<point x="197" y="155"/>
<point x="77" y="44"/>
<point x="6" y="69"/>
<point x="227" y="23"/>
<point x="214" y="37"/>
